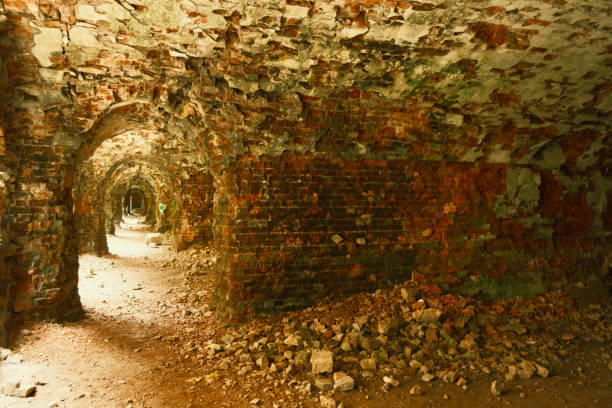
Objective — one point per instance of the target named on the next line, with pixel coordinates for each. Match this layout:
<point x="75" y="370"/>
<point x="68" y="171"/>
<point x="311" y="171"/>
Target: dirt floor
<point x="150" y="339"/>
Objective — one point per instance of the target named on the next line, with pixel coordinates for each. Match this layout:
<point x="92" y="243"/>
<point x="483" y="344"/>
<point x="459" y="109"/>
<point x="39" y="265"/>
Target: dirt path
<point x="149" y="339"/>
<point x="115" y="356"/>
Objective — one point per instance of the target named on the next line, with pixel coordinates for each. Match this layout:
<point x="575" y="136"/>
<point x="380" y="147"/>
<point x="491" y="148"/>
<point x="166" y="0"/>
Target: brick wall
<point x="306" y="228"/>
<point x="5" y="238"/>
<point x="44" y="265"/>
<point x="196" y="193"/>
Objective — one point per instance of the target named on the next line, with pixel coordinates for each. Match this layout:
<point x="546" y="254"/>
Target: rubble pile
<point x="375" y="341"/>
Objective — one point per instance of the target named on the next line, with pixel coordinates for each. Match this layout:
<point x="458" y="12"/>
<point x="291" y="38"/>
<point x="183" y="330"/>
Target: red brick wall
<point x="396" y="218"/>
<point x="196" y="209"/>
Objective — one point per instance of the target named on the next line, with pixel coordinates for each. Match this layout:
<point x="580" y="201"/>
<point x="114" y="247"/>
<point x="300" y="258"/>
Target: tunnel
<point x="273" y="158"/>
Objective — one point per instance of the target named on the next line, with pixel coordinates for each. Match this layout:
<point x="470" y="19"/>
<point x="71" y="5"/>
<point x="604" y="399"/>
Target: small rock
<point x="324" y="384"/>
<point x="525" y="370"/>
<point x="427" y="377"/>
<point x="17" y="389"/>
<point x="391" y="381"/>
<point x="154" y="238"/>
<point x="322" y="361"/>
<point x="404" y="294"/>
<point x="293" y="340"/>
<point x="4" y="353"/>
<point x="541" y="370"/>
<point x="449" y="377"/>
<point x="343" y="382"/>
<point x="431" y="334"/>
<point x="14" y="358"/>
<point x="427" y="316"/>
<point x="262" y="362"/>
<point x="368" y="364"/>
<point x="511" y="374"/>
<point x="497" y="388"/>
<point x="336" y="239"/>
<point x="327" y="402"/>
<point x="468" y="343"/>
<point x="254" y="401"/>
<point x="522" y="395"/>
<point x="416" y="390"/>
<point x="384" y="326"/>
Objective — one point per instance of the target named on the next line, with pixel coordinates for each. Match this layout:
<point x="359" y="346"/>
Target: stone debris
<point x="370" y="341"/>
<point x="327" y="402"/>
<point x="343" y="382"/>
<point x="154" y="239"/>
<point x="4" y="353"/>
<point x="324" y="384"/>
<point x="416" y="390"/>
<point x="386" y="338"/>
<point x="497" y="388"/>
<point x="17" y="389"/>
<point x="322" y="361"/>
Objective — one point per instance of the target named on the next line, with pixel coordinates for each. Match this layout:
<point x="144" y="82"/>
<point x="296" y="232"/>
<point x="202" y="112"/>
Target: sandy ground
<point x="133" y="349"/>
<point x="114" y="355"/>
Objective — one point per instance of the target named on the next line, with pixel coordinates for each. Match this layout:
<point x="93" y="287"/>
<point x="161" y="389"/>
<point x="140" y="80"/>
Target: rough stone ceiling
<point x="129" y="144"/>
<point x="142" y="170"/>
<point x="534" y="63"/>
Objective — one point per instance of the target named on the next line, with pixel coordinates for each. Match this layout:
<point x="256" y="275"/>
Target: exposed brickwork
<point x="41" y="220"/>
<point x="196" y="209"/>
<point x="6" y="185"/>
<point x="307" y="228"/>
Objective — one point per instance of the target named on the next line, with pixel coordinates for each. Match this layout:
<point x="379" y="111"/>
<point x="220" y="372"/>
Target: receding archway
<point x="165" y="177"/>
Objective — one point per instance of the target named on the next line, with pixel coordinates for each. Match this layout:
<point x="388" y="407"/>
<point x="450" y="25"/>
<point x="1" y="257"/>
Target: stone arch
<point x="117" y="204"/>
<point x="163" y="176"/>
<point x="141" y="196"/>
<point x="211" y="147"/>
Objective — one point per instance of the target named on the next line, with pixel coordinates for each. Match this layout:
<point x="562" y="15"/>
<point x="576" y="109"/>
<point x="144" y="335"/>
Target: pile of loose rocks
<point x="9" y="386"/>
<point x="372" y="341"/>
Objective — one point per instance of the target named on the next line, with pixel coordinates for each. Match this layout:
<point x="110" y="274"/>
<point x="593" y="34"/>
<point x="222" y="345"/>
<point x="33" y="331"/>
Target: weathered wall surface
<point x="4" y="186"/>
<point x="42" y="262"/>
<point x="196" y="189"/>
<point x="361" y="142"/>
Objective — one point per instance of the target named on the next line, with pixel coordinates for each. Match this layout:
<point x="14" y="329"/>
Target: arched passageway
<point x="329" y="148"/>
<point x="135" y="202"/>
